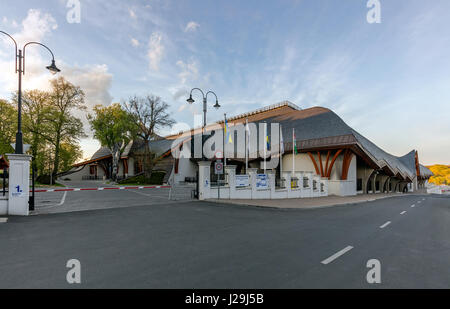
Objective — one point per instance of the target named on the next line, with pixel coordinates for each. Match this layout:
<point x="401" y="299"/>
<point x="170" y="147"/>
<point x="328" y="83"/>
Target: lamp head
<point x="217" y="106"/>
<point x="52" y="68"/>
<point x="190" y="100"/>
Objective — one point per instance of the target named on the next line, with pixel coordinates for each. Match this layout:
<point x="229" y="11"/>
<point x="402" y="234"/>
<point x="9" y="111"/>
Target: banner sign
<point x="262" y="181"/>
<point x="242" y="181"/>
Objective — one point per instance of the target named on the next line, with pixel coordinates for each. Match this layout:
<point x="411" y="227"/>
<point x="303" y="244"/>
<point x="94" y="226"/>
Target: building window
<point x="314" y="185"/>
<point x="377" y="186"/>
<point x="93" y="170"/>
<point x="359" y="186"/>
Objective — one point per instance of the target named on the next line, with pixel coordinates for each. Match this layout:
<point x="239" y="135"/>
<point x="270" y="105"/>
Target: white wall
<point x="186" y="168"/>
<point x="303" y="163"/>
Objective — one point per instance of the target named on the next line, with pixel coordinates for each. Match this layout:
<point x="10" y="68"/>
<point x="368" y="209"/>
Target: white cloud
<point x="35" y="26"/>
<point x="155" y="50"/>
<point x="188" y="71"/>
<point x="134" y="42"/>
<point x="191" y="26"/>
<point x="132" y="13"/>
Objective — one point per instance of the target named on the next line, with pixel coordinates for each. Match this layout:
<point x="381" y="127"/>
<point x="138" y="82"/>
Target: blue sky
<point x="390" y="81"/>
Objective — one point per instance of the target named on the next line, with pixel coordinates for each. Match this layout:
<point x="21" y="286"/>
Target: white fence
<point x="261" y="186"/>
<point x="438" y="189"/>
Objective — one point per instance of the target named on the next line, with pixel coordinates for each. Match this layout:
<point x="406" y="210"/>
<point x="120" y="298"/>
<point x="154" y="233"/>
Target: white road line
<point x="336" y="255"/>
<point x="63" y="199"/>
<point x="3" y="220"/>
<point x="403" y="212"/>
<point x="419" y="202"/>
<point x="384" y="225"/>
<point x="412" y="206"/>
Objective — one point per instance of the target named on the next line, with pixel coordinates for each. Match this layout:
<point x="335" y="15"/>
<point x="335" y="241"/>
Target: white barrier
<point x="299" y="185"/>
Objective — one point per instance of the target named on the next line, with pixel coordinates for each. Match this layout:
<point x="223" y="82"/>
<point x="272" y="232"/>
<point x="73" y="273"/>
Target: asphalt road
<point x="206" y="245"/>
<point x="59" y="202"/>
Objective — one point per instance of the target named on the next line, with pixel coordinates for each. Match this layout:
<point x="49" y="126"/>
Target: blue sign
<point x="262" y="181"/>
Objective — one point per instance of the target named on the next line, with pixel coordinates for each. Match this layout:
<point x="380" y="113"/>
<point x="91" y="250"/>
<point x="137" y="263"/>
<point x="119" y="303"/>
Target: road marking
<point x="384" y="225"/>
<point x="3" y="220"/>
<point x="412" y="206"/>
<point x="63" y="199"/>
<point x="403" y="212"/>
<point x="419" y="202"/>
<point x="336" y="255"/>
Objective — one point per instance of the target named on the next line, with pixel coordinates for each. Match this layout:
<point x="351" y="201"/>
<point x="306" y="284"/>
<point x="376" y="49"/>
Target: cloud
<point x="188" y="71"/>
<point x="191" y="26"/>
<point x="34" y="27"/>
<point x="155" y="50"/>
<point x="132" y="14"/>
<point x="134" y="42"/>
<point x="94" y="80"/>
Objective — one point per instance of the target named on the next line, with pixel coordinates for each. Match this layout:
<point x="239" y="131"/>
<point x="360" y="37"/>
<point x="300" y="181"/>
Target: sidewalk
<point x="311" y="203"/>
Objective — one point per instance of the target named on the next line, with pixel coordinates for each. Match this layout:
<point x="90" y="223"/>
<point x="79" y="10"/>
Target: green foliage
<point x="441" y="174"/>
<point x="114" y="128"/>
<point x="8" y="126"/>
<point x="155" y="179"/>
<point x="48" y="125"/>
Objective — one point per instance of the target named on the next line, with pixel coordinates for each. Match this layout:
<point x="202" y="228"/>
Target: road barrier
<point x="101" y="189"/>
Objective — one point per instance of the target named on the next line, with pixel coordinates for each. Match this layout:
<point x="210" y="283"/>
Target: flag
<point x="227" y="134"/>
<point x="295" y="144"/>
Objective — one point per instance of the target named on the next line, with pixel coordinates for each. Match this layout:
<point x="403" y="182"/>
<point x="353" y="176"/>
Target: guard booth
<point x="15" y="201"/>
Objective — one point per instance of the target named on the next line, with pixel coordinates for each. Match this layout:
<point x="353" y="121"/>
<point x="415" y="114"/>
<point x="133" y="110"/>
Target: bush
<point x="156" y="179"/>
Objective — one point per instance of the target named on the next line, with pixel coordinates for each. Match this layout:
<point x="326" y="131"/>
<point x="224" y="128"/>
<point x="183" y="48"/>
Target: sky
<point x="390" y="80"/>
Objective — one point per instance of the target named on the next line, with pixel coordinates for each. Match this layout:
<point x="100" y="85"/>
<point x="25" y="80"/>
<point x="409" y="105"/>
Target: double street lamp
<point x="20" y="68"/>
<point x="205" y="107"/>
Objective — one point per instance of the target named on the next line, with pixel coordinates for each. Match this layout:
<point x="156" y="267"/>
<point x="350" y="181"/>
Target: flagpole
<point x="224" y="137"/>
<point x="246" y="146"/>
<point x="265" y="148"/>
<point x="280" y="157"/>
<point x="293" y="151"/>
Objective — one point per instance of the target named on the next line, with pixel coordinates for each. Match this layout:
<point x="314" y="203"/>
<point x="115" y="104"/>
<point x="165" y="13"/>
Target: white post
<point x="230" y="171"/>
<point x="204" y="185"/>
<point x="19" y="184"/>
<point x="252" y="172"/>
<point x="272" y="176"/>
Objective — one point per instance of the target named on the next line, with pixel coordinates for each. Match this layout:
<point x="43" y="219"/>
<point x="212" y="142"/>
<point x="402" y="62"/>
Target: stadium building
<point x="326" y="147"/>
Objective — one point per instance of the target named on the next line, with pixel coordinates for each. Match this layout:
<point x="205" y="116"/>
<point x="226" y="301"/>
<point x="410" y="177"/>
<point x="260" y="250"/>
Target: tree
<point x="63" y="126"/>
<point x="8" y="126"/>
<point x="114" y="128"/>
<point x="150" y="115"/>
<point x="36" y="108"/>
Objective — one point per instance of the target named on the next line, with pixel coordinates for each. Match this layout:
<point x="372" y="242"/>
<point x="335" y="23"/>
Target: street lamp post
<point x="20" y="68"/>
<point x="205" y="107"/>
